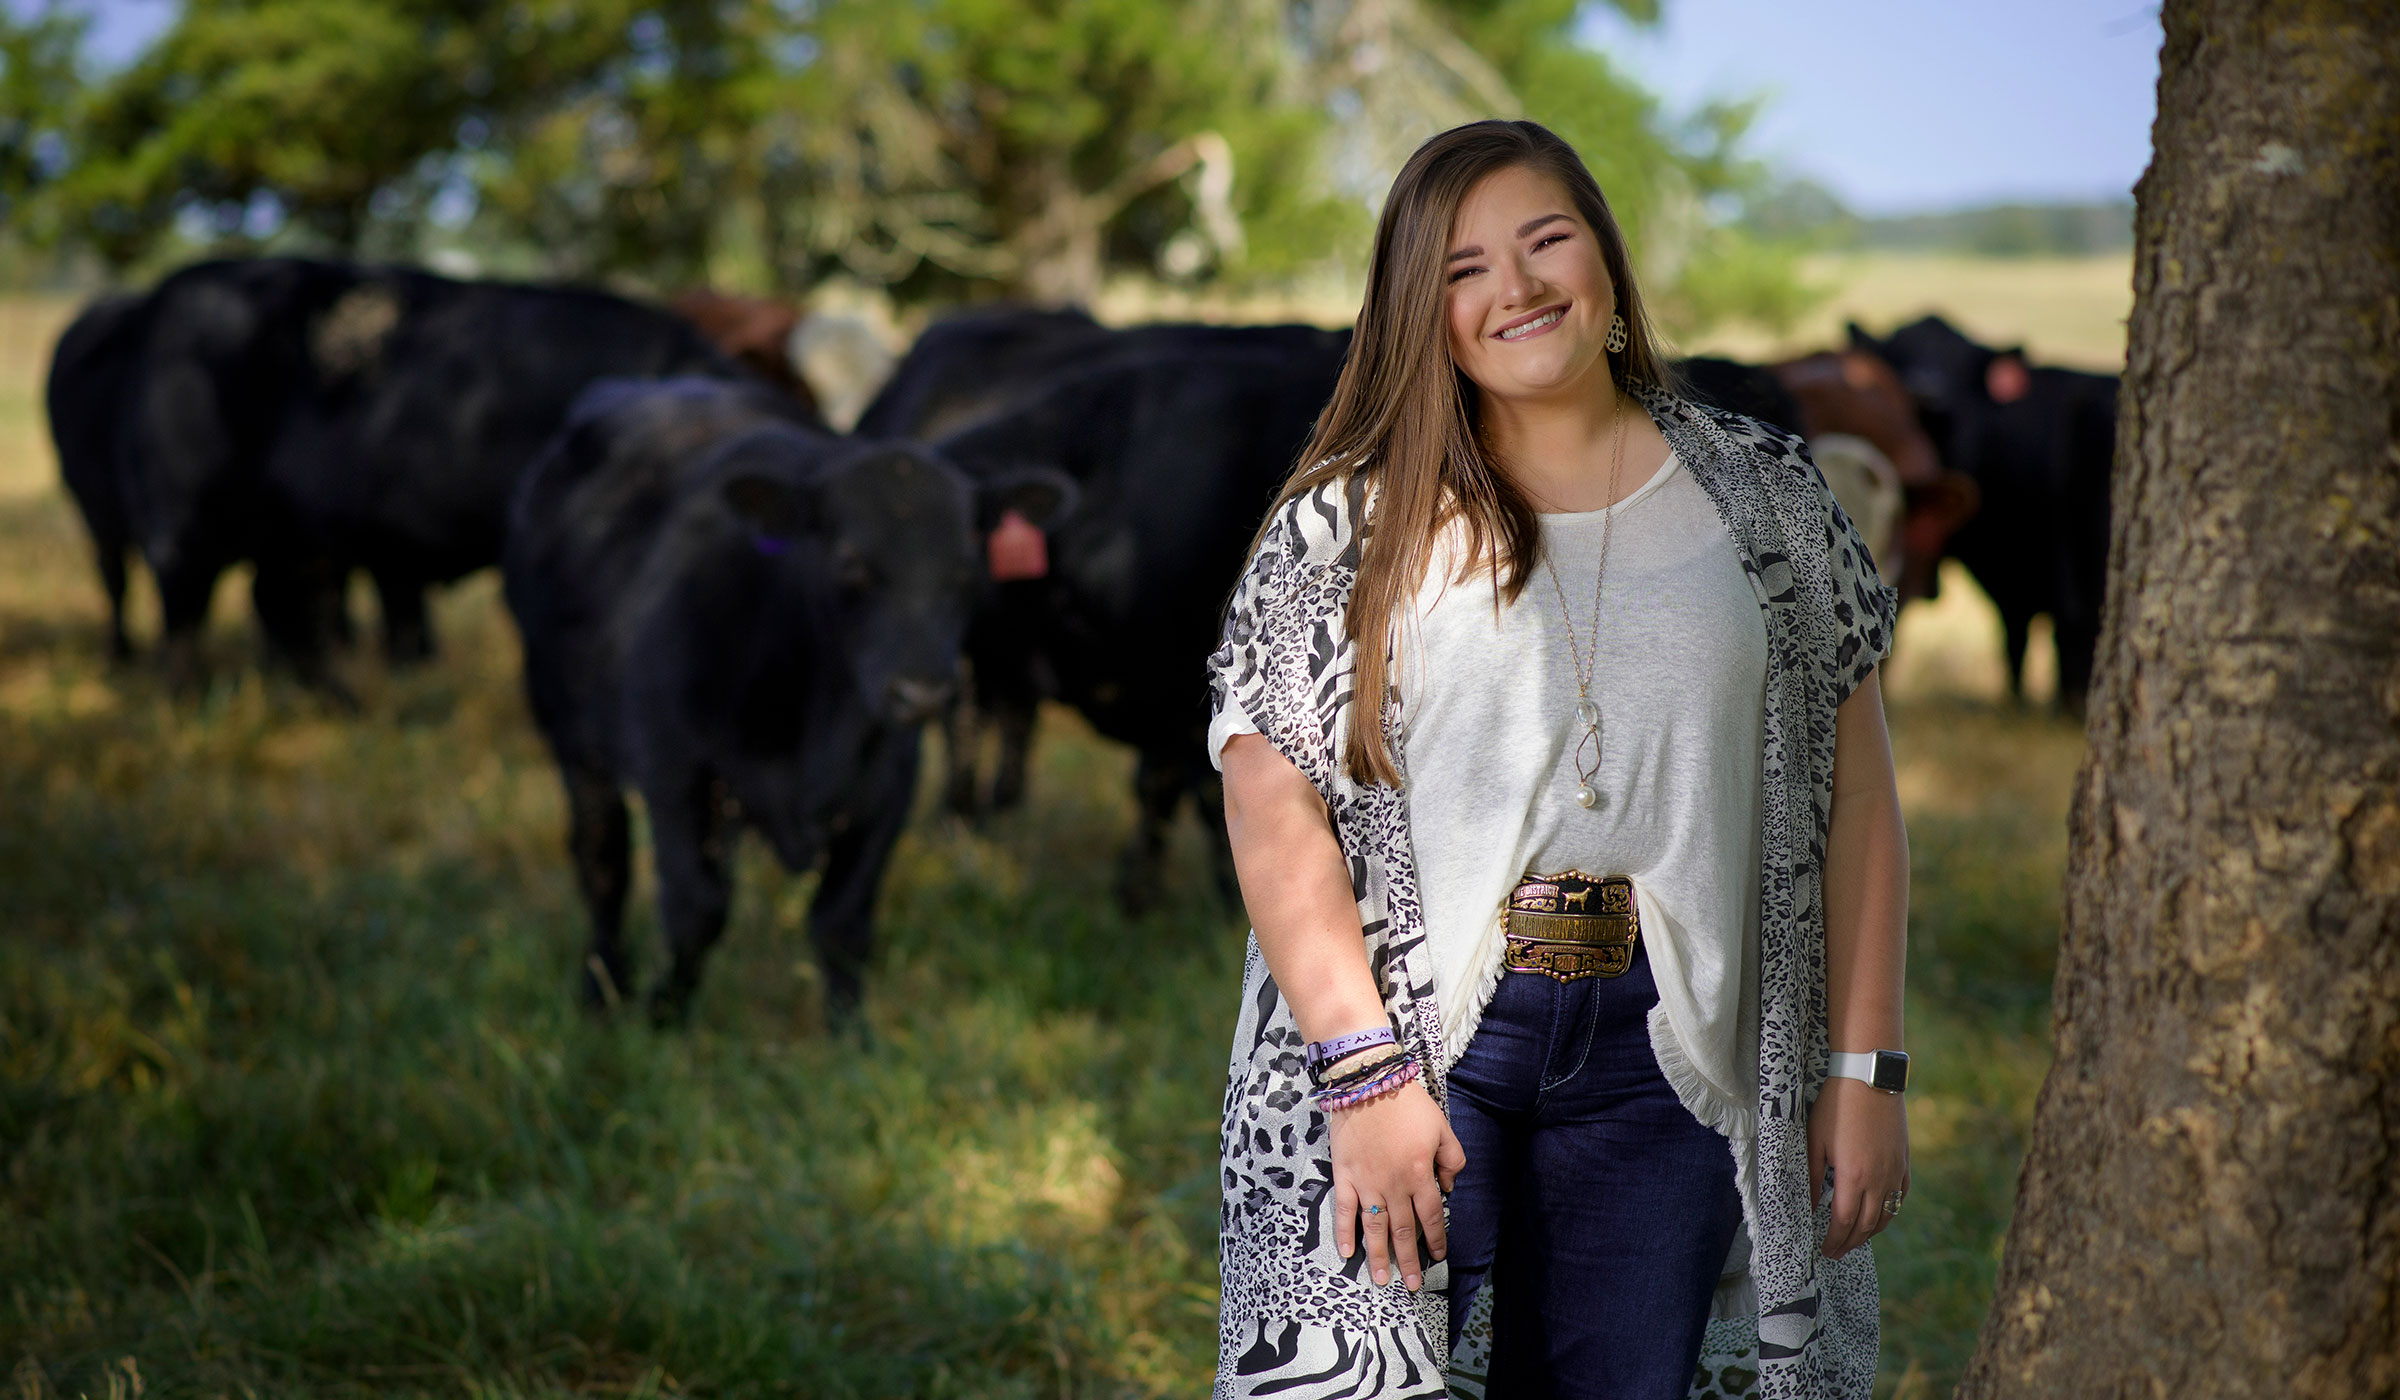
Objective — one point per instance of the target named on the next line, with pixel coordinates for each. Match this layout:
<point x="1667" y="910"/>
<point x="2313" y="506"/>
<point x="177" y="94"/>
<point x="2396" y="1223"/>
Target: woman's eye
<point x="1546" y="240"/>
<point x="1457" y="273"/>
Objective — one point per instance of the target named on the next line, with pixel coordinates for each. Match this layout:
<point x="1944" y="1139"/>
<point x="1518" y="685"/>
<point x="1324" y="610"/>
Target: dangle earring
<point x="1615" y="344"/>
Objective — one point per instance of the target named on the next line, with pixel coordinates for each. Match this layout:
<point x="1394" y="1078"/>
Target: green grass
<point x="294" y="1097"/>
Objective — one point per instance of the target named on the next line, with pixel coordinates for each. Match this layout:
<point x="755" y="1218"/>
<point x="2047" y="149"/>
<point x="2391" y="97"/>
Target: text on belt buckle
<point x="1572" y="925"/>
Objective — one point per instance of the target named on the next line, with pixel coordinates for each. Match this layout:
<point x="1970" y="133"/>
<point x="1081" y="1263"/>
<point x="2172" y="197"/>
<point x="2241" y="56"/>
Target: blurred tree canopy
<point x="941" y="149"/>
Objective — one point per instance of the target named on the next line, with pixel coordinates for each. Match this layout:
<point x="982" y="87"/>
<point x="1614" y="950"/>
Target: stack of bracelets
<point x="1371" y="1080"/>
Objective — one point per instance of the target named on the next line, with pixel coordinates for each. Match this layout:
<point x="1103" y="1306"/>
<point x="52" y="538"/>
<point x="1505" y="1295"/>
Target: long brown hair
<point x="1404" y="415"/>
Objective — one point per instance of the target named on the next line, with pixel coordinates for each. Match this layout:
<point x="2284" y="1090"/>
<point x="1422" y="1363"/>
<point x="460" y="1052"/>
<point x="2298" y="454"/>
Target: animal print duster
<point x="1299" y="1322"/>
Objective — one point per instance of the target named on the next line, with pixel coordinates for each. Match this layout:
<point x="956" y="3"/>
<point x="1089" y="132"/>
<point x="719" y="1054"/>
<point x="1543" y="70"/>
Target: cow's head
<point x="885" y="546"/>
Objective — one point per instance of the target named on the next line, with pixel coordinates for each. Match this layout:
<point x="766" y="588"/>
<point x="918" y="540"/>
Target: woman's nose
<point x="1518" y="286"/>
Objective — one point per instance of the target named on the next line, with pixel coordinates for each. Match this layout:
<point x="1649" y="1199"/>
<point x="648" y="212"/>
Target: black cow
<point x="971" y="367"/>
<point x="85" y="397"/>
<point x="2039" y="443"/>
<point x="1750" y="390"/>
<point x="317" y="417"/>
<point x="1178" y="453"/>
<point x="746" y="619"/>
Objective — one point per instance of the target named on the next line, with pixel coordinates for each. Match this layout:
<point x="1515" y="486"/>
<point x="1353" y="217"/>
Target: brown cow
<point x="1853" y="391"/>
<point x="753" y="331"/>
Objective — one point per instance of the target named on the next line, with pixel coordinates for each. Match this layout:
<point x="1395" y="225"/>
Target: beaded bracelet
<point x="1351" y="1099"/>
<point x="1351" y="1079"/>
<point x="1321" y="1053"/>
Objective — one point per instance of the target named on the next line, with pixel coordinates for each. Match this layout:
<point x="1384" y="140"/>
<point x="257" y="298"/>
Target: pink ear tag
<point x="1017" y="550"/>
<point x="2007" y="380"/>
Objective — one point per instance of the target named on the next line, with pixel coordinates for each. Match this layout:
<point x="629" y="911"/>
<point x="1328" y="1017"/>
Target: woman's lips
<point x="1535" y="323"/>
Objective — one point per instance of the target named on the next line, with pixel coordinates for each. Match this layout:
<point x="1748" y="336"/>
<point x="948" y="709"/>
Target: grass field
<point x="294" y="1099"/>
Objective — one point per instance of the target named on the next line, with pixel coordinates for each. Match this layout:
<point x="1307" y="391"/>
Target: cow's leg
<point x="295" y="603"/>
<point x="841" y="920"/>
<point x="110" y="555"/>
<point x="184" y="593"/>
<point x="600" y="841"/>
<point x="1015" y="716"/>
<point x="962" y="736"/>
<point x="407" y="627"/>
<point x="1158" y="785"/>
<point x="691" y="839"/>
<point x="2078" y="643"/>
<point x="2016" y="629"/>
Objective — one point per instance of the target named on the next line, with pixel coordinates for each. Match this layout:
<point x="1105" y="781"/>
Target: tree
<point x="1027" y="145"/>
<point x="39" y="85"/>
<point x="944" y="149"/>
<point x="2211" y="1204"/>
<point x="325" y="115"/>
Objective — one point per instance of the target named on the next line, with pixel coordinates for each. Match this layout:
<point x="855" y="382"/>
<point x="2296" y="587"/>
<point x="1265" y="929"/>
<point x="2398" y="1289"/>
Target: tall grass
<point x="294" y="1097"/>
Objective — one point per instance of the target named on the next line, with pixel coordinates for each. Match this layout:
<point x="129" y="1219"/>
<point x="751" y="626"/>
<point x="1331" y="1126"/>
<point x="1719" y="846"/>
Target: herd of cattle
<point x="748" y="617"/>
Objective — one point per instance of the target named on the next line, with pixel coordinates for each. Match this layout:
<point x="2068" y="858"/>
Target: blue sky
<point x="1907" y="105"/>
<point x="1896" y="105"/>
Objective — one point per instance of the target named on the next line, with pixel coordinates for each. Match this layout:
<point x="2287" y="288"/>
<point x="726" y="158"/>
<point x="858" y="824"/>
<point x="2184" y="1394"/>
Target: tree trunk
<point x="2211" y="1206"/>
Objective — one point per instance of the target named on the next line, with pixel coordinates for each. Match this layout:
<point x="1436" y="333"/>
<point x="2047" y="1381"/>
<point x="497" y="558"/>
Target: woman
<point x="1573" y="925"/>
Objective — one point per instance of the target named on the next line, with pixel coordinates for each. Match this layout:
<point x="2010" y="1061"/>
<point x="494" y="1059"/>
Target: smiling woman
<point x="1540" y="929"/>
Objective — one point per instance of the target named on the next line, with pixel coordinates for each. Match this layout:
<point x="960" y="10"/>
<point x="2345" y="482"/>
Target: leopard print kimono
<point x="1299" y="1322"/>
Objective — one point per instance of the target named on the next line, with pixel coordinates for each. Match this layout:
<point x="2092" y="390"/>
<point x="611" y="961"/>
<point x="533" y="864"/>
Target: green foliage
<point x="40" y="84"/>
<point x="332" y="115"/>
<point x="944" y="149"/>
<point x="1028" y="144"/>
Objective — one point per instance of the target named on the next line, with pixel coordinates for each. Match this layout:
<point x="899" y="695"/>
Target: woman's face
<point x="1529" y="297"/>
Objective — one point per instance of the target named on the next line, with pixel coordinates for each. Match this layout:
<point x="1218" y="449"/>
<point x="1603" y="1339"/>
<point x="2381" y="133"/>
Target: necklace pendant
<point x="1587" y="711"/>
<point x="1585" y="797"/>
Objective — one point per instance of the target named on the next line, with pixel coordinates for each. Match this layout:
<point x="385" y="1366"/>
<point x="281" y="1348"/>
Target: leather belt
<point x="1572" y="925"/>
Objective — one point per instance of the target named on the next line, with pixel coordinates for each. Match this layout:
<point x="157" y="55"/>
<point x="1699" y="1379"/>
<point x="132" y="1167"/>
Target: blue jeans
<point x="1592" y="1200"/>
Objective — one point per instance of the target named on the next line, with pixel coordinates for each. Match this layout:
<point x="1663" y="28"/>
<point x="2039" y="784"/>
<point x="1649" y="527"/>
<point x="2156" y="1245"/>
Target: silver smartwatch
<point x="1885" y="1069"/>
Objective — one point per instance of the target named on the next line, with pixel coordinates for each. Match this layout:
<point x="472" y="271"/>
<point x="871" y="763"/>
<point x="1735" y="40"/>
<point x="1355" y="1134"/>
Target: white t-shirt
<point x="1488" y="736"/>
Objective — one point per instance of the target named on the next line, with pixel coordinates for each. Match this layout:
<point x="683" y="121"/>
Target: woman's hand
<point x="1860" y="1132"/>
<point x="1387" y="1152"/>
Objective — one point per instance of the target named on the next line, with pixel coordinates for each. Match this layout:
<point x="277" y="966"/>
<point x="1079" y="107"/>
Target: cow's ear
<point x="1044" y="496"/>
<point x="772" y="509"/>
<point x="1860" y="340"/>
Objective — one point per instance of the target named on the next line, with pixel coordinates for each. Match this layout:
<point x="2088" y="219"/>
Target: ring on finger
<point x="1374" y="1210"/>
<point x="1891" y="1202"/>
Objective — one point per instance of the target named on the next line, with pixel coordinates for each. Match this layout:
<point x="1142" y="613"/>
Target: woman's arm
<point x="1857" y="1129"/>
<point x="1297" y="888"/>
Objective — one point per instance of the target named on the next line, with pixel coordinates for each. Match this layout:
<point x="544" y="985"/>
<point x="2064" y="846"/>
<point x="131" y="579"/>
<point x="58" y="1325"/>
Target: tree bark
<point x="2211" y="1205"/>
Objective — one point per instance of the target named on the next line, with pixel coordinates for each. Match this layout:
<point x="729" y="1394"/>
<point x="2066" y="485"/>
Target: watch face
<point x="1891" y="1071"/>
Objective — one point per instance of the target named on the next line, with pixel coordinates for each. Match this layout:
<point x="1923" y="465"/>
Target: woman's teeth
<point x="1547" y="318"/>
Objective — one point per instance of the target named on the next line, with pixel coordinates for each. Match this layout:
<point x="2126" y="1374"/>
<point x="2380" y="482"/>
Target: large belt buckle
<point x="1572" y="925"/>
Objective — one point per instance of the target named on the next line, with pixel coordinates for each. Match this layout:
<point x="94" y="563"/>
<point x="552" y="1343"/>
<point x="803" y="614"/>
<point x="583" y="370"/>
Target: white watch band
<point x="1860" y="1065"/>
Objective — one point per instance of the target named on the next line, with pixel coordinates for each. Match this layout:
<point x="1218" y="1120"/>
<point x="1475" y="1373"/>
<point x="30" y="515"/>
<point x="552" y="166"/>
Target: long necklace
<point x="1587" y="710"/>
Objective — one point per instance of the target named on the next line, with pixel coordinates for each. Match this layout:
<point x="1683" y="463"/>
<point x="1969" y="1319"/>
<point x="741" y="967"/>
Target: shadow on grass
<point x="296" y="1098"/>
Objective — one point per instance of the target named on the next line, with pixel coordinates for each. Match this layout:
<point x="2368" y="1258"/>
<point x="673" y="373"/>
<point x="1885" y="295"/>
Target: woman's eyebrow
<point x="1476" y="250"/>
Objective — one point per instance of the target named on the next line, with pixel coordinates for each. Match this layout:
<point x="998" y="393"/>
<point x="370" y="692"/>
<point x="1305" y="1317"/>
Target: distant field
<point x="29" y="327"/>
<point x="295" y="1101"/>
<point x="2067" y="311"/>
